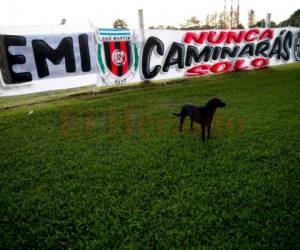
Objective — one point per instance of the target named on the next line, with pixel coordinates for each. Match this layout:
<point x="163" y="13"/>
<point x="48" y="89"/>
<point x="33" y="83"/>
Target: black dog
<point x="200" y="114"/>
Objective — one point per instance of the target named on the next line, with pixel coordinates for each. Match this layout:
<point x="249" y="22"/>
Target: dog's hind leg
<point x="181" y="122"/>
<point x="203" y="132"/>
<point x="191" y="125"/>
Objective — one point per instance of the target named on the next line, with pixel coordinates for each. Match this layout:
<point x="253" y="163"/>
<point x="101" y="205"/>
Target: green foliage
<point x="262" y="24"/>
<point x="294" y="20"/>
<point x="240" y="26"/>
<point x="192" y="24"/>
<point x="112" y="172"/>
<point x="273" y="24"/>
<point x="120" y="24"/>
<point x="251" y="18"/>
<point x="162" y="27"/>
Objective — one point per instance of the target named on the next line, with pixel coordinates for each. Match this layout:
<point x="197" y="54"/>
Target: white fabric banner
<point x="67" y="57"/>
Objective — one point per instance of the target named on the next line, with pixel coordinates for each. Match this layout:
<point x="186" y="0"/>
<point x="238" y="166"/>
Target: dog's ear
<point x="221" y="104"/>
<point x="215" y="103"/>
<point x="212" y="102"/>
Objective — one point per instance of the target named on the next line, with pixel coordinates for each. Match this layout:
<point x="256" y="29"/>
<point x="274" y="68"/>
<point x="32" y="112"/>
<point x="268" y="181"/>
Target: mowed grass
<point x="111" y="171"/>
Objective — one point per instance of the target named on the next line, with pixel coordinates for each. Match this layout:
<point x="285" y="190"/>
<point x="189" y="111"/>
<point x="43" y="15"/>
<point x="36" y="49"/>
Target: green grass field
<point x="111" y="171"/>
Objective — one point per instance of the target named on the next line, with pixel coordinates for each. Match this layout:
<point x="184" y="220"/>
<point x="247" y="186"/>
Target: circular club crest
<point x="118" y="57"/>
<point x="128" y="62"/>
<point x="297" y="47"/>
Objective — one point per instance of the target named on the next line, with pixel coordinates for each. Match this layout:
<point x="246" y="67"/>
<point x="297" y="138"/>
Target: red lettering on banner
<point x="260" y="62"/>
<point x="239" y="65"/>
<point x="221" y="67"/>
<point x="192" y="36"/>
<point x="237" y="37"/>
<point x="228" y="37"/>
<point x="199" y="70"/>
<point x="212" y="37"/>
<point x="226" y="66"/>
<point x="268" y="33"/>
<point x="251" y="35"/>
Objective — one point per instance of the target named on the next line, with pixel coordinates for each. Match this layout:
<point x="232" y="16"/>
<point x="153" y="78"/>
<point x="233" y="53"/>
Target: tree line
<point x="221" y="20"/>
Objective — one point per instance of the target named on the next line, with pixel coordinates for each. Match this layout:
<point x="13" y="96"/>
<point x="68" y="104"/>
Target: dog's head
<point x="216" y="103"/>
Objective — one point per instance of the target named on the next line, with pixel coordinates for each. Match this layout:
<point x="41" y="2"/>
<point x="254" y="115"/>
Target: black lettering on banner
<point x="193" y="54"/>
<point x="151" y="43"/>
<point x="276" y="49"/>
<point x="10" y="40"/>
<point x="175" y="56"/>
<point x="229" y="52"/>
<point x="84" y="52"/>
<point x="262" y="48"/>
<point x="43" y="51"/>
<point x="216" y="53"/>
<point x="247" y="50"/>
<point x="287" y="45"/>
<point x="296" y="47"/>
<point x="277" y="46"/>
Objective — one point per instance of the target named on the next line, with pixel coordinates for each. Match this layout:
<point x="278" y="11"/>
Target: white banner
<point x="46" y="58"/>
<point x="67" y="57"/>
<point x="169" y="54"/>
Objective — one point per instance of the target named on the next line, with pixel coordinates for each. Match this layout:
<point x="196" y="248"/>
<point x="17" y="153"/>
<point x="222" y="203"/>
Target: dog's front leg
<point x="203" y="132"/>
<point x="181" y="123"/>
<point x="208" y="131"/>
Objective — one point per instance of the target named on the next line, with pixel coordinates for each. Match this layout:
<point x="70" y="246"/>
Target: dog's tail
<point x="177" y="114"/>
